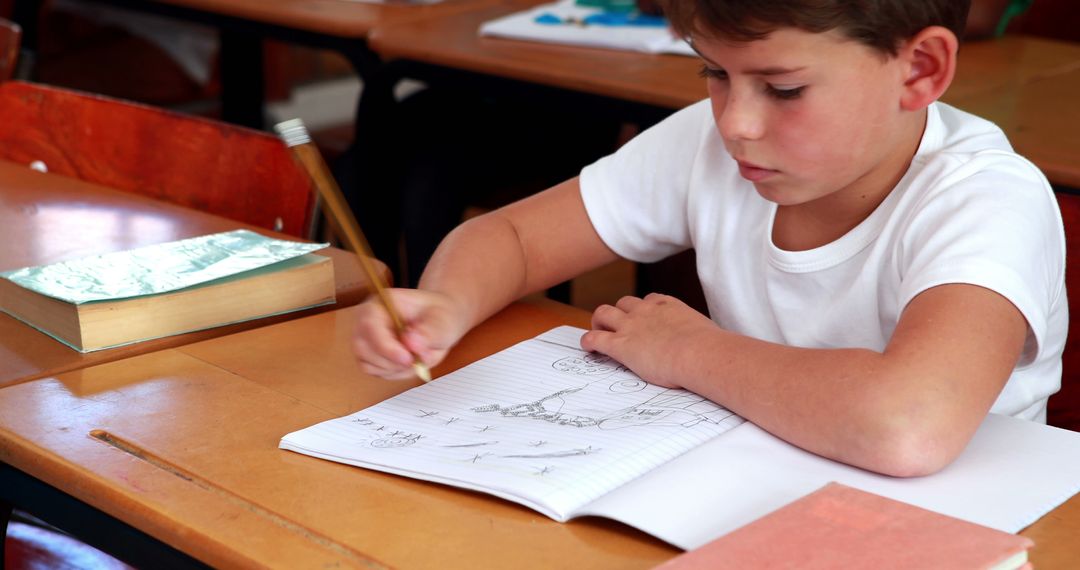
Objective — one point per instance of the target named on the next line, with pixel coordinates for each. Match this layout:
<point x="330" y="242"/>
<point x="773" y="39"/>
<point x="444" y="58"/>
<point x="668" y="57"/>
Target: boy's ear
<point x="930" y="63"/>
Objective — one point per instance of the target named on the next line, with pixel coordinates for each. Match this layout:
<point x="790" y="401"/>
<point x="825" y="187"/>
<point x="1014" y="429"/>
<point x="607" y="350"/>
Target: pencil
<point x="341" y="218"/>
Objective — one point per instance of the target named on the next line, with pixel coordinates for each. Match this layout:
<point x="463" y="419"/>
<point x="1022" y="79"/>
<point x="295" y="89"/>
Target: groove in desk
<point x="144" y="455"/>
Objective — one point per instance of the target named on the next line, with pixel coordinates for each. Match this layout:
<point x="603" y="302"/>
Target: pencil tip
<point x="422" y="371"/>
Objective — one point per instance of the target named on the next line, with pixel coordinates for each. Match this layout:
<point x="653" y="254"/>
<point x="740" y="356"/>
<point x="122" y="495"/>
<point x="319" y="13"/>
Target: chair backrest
<point x="10" y="33"/>
<point x="231" y="171"/>
<point x="1064" y="407"/>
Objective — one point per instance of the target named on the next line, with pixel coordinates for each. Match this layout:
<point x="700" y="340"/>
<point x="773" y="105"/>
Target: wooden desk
<point x="993" y="77"/>
<point x="1042" y="118"/>
<point x="327" y="24"/>
<point x="49" y="218"/>
<point x="1003" y="64"/>
<point x="666" y="81"/>
<point x="190" y="458"/>
<point x="182" y="444"/>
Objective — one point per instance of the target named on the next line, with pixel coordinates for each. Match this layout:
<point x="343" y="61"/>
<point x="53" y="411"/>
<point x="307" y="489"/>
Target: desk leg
<point x="242" y="91"/>
<point x="5" y="519"/>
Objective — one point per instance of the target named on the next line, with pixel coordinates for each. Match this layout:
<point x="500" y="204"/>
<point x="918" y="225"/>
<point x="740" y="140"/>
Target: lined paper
<point x="542" y="423"/>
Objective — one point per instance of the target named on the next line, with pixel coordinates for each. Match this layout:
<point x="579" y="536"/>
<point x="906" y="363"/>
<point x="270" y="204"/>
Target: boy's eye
<point x="786" y="94"/>
<point x="712" y="72"/>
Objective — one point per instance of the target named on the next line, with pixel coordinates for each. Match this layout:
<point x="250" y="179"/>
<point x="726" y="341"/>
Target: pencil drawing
<point x="589" y="365"/>
<point x="396" y="441"/>
<point x="553" y="454"/>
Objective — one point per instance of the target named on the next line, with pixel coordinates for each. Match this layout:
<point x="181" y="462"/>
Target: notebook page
<point x="541" y="423"/>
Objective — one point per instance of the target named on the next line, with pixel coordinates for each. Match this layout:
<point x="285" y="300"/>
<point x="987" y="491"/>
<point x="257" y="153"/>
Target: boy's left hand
<point x="655" y="337"/>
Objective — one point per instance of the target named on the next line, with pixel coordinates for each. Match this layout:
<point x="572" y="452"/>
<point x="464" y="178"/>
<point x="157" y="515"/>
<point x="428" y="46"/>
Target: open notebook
<point x="569" y="433"/>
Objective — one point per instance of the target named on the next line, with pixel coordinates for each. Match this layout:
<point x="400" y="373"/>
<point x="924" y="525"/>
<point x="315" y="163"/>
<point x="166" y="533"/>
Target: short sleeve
<point x="996" y="225"/>
<point x="637" y="198"/>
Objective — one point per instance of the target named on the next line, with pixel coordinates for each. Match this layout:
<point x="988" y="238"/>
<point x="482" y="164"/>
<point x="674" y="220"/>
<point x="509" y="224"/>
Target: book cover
<point x="570" y="433"/>
<point x="839" y="526"/>
<point x="123" y="297"/>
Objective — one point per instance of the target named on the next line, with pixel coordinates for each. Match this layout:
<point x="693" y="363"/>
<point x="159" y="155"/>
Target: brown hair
<point x="880" y="24"/>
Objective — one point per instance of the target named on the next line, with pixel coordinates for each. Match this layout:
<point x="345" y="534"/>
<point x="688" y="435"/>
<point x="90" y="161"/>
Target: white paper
<point x="542" y="423"/>
<point x="1012" y="473"/>
<point x="523" y="26"/>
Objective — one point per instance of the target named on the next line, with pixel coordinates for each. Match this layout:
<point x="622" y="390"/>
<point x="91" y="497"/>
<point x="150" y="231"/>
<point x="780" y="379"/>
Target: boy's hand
<point x="655" y="337"/>
<point x="432" y="326"/>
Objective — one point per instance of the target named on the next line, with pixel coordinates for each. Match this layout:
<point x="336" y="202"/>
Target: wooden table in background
<point x="1042" y="119"/>
<point x="1021" y="83"/>
<point x="663" y="82"/>
<point x="182" y="443"/>
<point x="46" y="218"/>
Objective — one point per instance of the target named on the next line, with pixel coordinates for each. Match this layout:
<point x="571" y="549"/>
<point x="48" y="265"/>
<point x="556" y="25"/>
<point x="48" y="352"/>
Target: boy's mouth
<point x="753" y="172"/>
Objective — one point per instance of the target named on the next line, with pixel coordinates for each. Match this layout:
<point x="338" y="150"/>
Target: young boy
<point x="881" y="269"/>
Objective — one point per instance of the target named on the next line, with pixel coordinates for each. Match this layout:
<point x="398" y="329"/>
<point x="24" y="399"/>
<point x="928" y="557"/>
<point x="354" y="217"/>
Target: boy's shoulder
<point x="962" y="144"/>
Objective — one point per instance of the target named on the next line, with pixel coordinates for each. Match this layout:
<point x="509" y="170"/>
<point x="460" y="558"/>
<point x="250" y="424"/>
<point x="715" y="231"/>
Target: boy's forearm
<point x="480" y="265"/>
<point x="850" y="405"/>
<point x="908" y="410"/>
<point x="493" y="260"/>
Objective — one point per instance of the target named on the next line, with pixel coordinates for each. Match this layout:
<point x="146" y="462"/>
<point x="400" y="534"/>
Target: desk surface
<point x="182" y="444"/>
<point x="1042" y="119"/>
<point x="349" y="19"/>
<point x="48" y="218"/>
<point x="452" y="41"/>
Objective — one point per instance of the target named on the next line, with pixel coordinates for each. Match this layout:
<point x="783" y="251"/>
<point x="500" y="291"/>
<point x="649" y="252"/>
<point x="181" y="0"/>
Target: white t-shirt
<point x="969" y="210"/>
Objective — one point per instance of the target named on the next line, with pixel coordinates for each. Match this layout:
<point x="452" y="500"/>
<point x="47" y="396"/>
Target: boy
<point x="881" y="269"/>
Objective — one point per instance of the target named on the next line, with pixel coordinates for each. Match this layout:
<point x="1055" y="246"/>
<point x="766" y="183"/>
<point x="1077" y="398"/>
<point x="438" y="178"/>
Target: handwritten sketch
<point x="589" y="365"/>
<point x="669" y="408"/>
<point x="549" y="409"/>
<point x="541" y="417"/>
<point x="395" y="441"/>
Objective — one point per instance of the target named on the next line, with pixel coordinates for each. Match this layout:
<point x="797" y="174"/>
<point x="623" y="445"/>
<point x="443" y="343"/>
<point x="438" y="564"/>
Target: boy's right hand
<point x="433" y="324"/>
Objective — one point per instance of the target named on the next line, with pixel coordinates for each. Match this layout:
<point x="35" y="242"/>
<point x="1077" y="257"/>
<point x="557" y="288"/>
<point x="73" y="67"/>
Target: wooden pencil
<point x="341" y="218"/>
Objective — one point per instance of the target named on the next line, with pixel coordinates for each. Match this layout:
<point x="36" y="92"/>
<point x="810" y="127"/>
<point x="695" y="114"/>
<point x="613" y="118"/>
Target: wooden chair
<point x="235" y="172"/>
<point x="1064" y="407"/>
<point x="10" y="34"/>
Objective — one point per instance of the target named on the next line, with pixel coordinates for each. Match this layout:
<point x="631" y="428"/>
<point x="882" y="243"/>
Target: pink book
<point x="842" y="527"/>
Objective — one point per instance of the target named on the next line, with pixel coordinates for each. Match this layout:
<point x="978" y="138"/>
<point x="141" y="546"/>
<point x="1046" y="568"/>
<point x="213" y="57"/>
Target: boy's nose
<point x="740" y="118"/>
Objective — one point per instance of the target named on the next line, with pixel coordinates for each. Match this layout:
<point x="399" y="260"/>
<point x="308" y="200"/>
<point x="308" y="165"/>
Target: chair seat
<point x="31" y="547"/>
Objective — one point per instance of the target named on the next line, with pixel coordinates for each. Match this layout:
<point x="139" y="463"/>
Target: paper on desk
<point x="157" y="268"/>
<point x="523" y="26"/>
<point x="1011" y="473"/>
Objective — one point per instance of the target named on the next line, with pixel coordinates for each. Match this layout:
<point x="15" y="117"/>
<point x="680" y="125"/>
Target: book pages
<point x="158" y="268"/>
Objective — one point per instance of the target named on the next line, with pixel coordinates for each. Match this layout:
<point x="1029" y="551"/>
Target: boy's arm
<point x="907" y="411"/>
<point x="495" y="259"/>
<point x="483" y="265"/>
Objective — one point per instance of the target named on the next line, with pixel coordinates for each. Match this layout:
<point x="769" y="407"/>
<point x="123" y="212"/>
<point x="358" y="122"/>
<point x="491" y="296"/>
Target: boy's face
<point x="808" y="115"/>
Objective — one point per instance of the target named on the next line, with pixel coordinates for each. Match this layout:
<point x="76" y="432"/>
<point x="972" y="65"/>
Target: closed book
<point x="843" y="527"/>
<point x="166" y="289"/>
